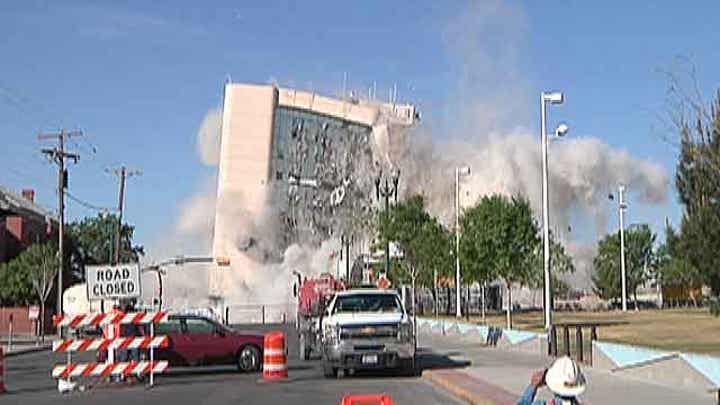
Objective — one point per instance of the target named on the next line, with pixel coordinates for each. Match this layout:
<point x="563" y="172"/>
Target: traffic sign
<point x="383" y="281"/>
<point x="34" y="312"/>
<point x="112" y="282"/>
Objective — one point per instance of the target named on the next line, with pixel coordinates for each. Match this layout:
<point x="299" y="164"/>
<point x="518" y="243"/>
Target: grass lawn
<point x="687" y="330"/>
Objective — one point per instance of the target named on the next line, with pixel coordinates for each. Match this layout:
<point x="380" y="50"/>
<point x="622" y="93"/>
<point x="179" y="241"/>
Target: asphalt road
<point x="28" y="381"/>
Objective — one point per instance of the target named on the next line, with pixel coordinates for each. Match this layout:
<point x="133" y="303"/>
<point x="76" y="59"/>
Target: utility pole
<point x="345" y="244"/>
<point x="123" y="173"/>
<point x="59" y="155"/>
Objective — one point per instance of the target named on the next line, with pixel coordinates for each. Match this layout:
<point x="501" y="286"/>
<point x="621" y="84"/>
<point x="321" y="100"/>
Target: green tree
<point x="699" y="244"/>
<point x="500" y="239"/>
<point x="560" y="264"/>
<point x="673" y="268"/>
<point x="639" y="256"/>
<point x="92" y="242"/>
<point x="29" y="278"/>
<point x="697" y="177"/>
<point x="425" y="243"/>
<point x="698" y="183"/>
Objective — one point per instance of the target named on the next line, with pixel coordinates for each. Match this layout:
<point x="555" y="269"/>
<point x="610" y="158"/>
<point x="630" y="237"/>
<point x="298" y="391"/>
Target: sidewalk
<point x="26" y="347"/>
<point x="22" y="344"/>
<point x="497" y="376"/>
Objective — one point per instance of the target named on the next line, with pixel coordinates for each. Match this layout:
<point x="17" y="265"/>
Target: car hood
<point x="365" y="318"/>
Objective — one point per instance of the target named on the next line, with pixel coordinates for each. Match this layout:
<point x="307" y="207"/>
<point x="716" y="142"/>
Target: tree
<point x="92" y="242"/>
<point x="698" y="171"/>
<point x="29" y="278"/>
<point x="500" y="239"/>
<point x="639" y="256"/>
<point x="560" y="264"/>
<point x="673" y="268"/>
<point x="425" y="243"/>
<point x="698" y="183"/>
<point x="699" y="244"/>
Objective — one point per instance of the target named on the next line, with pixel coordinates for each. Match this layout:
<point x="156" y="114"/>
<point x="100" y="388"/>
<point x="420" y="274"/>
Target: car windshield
<point x="367" y="303"/>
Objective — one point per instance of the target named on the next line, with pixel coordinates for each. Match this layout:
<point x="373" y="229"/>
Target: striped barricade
<point x="84" y="345"/>
<point x="65" y="371"/>
<point x="138" y="318"/>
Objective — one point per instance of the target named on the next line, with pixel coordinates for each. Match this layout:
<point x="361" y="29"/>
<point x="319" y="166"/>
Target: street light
<point x="389" y="188"/>
<point x="552" y="98"/>
<point x="459" y="171"/>
<point x="622" y="206"/>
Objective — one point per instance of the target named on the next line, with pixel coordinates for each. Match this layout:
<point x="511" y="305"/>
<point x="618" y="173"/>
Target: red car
<point x="199" y="341"/>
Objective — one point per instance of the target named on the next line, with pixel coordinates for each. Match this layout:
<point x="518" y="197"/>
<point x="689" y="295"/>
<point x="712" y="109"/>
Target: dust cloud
<point x="490" y="109"/>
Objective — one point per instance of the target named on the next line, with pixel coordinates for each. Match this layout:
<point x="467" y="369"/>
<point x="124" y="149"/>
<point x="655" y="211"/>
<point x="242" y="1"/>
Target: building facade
<point x="295" y="167"/>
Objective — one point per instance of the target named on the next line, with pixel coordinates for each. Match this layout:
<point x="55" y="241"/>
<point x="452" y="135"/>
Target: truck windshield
<point x="367" y="303"/>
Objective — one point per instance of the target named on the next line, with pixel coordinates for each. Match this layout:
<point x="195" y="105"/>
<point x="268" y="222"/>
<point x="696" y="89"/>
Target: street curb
<point x="28" y="350"/>
<point x="468" y="388"/>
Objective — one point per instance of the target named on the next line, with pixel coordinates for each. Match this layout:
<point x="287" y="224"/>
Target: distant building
<point x="314" y="159"/>
<point x="22" y="223"/>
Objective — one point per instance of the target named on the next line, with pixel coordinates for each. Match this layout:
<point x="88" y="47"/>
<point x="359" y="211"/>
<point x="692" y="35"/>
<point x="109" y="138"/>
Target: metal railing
<point x="258" y="313"/>
<point x="575" y="348"/>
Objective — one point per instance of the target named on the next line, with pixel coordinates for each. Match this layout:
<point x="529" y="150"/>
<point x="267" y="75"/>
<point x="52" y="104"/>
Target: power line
<point x="89" y="205"/>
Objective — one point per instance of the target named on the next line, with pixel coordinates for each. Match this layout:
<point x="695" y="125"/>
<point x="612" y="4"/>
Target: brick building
<point x="22" y="223"/>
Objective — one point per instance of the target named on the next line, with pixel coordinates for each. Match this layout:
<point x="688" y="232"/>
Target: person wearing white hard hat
<point x="564" y="379"/>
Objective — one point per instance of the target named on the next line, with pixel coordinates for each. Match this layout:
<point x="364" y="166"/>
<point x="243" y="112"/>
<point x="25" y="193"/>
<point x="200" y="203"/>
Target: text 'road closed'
<point x="104" y="282"/>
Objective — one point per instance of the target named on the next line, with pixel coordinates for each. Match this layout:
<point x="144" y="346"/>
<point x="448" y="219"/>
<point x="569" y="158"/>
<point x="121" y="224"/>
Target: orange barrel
<point x="372" y="399"/>
<point x="2" y="371"/>
<point x="274" y="357"/>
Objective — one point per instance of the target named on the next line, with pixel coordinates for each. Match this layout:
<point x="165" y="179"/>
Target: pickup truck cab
<point x="366" y="329"/>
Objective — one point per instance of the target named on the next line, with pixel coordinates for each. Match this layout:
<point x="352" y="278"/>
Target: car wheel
<point x="328" y="370"/>
<point x="249" y="359"/>
<point x="409" y="368"/>
<point x="303" y="347"/>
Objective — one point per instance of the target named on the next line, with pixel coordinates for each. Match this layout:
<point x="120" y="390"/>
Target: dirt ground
<point x="687" y="330"/>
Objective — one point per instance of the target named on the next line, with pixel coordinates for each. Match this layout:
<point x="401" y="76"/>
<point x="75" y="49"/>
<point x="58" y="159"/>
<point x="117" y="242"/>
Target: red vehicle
<point x="199" y="341"/>
<point x="312" y="294"/>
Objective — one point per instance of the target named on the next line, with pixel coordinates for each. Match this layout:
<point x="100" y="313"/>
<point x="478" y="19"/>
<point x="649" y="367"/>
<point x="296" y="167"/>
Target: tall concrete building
<point x="295" y="167"/>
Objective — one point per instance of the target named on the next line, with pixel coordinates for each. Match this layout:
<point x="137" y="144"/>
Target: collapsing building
<point x="295" y="168"/>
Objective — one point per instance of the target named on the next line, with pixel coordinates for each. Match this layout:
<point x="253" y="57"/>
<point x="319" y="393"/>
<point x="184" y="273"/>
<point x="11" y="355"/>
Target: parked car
<point x="200" y="341"/>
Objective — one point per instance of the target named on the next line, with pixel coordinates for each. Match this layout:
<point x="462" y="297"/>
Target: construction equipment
<point x="312" y="295"/>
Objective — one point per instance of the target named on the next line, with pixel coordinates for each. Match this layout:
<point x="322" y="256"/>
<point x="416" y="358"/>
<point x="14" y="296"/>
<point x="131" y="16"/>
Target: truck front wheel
<point x="328" y="370"/>
<point x="409" y="368"/>
<point x="304" y="349"/>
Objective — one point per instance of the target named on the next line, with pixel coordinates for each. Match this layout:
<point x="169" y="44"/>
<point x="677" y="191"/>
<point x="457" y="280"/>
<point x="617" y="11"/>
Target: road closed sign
<point x="112" y="282"/>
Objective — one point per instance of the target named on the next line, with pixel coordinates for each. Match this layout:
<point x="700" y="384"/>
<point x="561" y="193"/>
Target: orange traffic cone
<point x="372" y="399"/>
<point x="274" y="357"/>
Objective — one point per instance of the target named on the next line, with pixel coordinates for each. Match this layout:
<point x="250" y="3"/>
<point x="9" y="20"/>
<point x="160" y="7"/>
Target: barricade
<point x="274" y="357"/>
<point x="2" y="371"/>
<point x="371" y="399"/>
<point x="74" y="370"/>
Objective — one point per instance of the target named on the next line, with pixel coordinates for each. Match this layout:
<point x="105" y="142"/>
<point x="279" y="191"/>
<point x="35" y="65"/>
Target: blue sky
<point x="139" y="76"/>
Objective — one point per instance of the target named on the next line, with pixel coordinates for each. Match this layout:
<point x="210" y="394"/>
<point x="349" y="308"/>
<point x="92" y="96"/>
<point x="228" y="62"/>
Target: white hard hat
<point x="565" y="378"/>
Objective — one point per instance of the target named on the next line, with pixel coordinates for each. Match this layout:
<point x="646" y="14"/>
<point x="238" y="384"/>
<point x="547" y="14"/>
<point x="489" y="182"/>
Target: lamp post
<point x="459" y="171"/>
<point x="622" y="206"/>
<point x="385" y="188"/>
<point x="553" y="98"/>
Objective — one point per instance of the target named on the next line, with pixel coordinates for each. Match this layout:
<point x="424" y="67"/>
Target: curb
<point x="27" y="351"/>
<point x="472" y="390"/>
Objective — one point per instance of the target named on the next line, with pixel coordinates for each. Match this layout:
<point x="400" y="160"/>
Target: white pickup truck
<point x="366" y="329"/>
